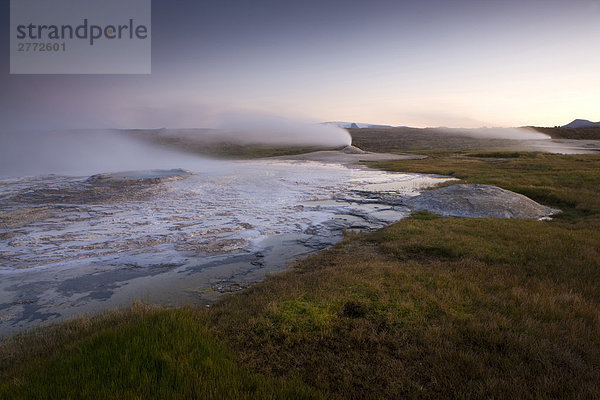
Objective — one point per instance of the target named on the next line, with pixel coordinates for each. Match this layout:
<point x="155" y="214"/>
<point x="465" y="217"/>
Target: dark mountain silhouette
<point x="581" y="123"/>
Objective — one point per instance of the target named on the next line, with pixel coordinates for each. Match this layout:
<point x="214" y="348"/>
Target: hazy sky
<point x="464" y="63"/>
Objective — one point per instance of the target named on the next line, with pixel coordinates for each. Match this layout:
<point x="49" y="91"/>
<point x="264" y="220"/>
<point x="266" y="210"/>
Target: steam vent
<point x="353" y="150"/>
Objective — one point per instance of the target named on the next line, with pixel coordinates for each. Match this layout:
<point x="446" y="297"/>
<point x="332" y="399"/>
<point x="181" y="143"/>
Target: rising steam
<point x="253" y="129"/>
<point x="84" y="152"/>
<point x="499" y="133"/>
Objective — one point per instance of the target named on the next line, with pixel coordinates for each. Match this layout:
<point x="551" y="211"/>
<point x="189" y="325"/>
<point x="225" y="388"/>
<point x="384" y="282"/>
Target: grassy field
<point x="435" y="139"/>
<point x="425" y="308"/>
<point x="588" y="133"/>
<point x="144" y="353"/>
<point x="400" y="140"/>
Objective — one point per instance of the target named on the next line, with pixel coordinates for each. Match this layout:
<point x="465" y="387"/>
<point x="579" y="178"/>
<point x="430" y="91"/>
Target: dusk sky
<point x="465" y="63"/>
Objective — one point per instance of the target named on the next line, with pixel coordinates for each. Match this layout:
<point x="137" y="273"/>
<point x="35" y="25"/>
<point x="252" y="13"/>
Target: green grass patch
<point x="140" y="354"/>
<point x="495" y="154"/>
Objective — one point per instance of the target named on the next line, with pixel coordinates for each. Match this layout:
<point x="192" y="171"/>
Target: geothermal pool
<point x="71" y="245"/>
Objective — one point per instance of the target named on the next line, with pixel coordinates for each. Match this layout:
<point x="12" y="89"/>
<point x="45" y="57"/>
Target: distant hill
<point x="579" y="129"/>
<point x="591" y="132"/>
<point x="581" y="123"/>
<point x="355" y="125"/>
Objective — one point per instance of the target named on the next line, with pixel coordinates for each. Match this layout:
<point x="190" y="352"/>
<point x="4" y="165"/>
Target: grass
<point x="431" y="309"/>
<point x="144" y="353"/>
<point x="427" y="308"/>
<point x="587" y="133"/>
<point x="496" y="154"/>
<point x="401" y="140"/>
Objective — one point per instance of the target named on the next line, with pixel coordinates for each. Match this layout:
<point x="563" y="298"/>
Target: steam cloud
<point x="247" y="128"/>
<point x="499" y="133"/>
<point x="86" y="152"/>
<point x="243" y="127"/>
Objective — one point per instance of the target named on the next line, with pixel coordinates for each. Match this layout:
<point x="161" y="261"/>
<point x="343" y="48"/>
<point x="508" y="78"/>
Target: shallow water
<point x="67" y="243"/>
<point x="156" y="217"/>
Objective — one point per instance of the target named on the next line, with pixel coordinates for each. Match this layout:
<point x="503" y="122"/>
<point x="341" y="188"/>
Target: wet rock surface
<point x="479" y="201"/>
<point x="135" y="177"/>
<point x="101" y="188"/>
<point x="226" y="287"/>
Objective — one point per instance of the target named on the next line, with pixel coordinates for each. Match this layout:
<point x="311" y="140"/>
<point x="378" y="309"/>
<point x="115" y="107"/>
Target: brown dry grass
<point x="587" y="133"/>
<point x="431" y="308"/>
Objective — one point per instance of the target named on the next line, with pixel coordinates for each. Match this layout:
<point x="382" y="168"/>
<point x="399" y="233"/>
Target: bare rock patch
<point x="479" y="201"/>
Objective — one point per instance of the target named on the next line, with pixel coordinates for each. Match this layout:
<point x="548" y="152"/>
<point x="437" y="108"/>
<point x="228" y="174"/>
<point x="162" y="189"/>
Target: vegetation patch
<point x="144" y="353"/>
<point x="586" y="133"/>
<point x="495" y="154"/>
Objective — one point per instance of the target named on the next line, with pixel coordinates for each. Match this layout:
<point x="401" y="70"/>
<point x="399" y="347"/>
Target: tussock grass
<point x="404" y="139"/>
<point x="496" y="154"/>
<point x="144" y="353"/>
<point x="401" y="140"/>
<point x="587" y="133"/>
<point x="430" y="308"/>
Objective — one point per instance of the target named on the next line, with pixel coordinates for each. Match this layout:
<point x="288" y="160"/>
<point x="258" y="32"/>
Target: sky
<point x="454" y="63"/>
